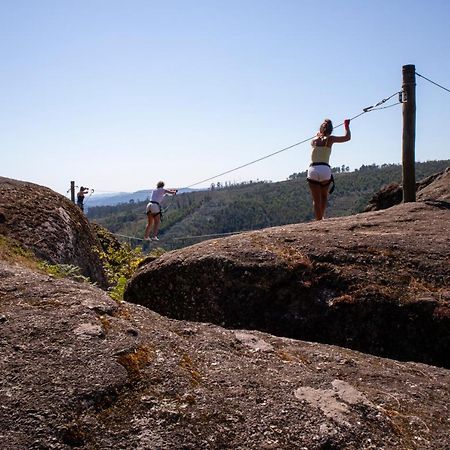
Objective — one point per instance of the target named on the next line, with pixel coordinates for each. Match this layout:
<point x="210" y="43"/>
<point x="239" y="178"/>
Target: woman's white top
<point x="158" y="195"/>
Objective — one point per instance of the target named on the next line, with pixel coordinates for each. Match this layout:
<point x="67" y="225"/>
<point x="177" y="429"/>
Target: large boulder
<point x="434" y="187"/>
<point x="376" y="282"/>
<point x="51" y="226"/>
<point x="81" y="371"/>
<point x="387" y="197"/>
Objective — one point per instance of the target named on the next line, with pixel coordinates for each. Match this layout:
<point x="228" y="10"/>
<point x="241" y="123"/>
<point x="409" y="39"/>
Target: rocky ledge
<point x="377" y="282"/>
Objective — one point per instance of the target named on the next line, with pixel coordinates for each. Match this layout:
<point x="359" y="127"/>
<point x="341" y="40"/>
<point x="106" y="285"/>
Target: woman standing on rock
<point x="154" y="212"/>
<point x="319" y="172"/>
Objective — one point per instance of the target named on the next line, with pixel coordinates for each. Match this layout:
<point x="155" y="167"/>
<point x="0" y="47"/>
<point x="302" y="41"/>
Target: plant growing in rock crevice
<point x="63" y="271"/>
<point x="120" y="261"/>
<point x="12" y="250"/>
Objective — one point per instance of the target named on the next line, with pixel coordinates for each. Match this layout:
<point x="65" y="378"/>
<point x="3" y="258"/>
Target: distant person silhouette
<point x="154" y="211"/>
<point x="80" y="197"/>
<point x="319" y="172"/>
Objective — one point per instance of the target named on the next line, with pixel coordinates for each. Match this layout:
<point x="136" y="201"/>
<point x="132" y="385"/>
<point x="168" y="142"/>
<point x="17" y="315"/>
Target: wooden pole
<point x="72" y="191"/>
<point x="409" y="133"/>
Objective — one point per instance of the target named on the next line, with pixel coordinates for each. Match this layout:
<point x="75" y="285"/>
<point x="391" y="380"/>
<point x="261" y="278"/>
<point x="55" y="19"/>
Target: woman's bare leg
<point x="157" y="220"/>
<point x="323" y="199"/>
<point x="149" y="226"/>
<point x="316" y="192"/>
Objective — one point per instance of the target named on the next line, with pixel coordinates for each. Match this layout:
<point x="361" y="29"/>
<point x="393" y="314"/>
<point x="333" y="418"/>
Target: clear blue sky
<point x="119" y="94"/>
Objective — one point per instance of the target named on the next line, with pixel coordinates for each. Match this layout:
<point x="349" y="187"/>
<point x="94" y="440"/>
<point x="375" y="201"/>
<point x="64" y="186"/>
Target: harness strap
<point x="332" y="185"/>
<point x="324" y="183"/>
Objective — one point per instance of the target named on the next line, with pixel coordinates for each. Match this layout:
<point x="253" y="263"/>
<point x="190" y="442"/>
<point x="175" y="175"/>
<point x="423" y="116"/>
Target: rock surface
<point x="49" y="225"/>
<point x="376" y="282"/>
<point x="80" y="371"/>
<point x="434" y="187"/>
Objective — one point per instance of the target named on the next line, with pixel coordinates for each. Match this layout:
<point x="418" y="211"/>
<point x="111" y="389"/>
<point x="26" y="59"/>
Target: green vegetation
<point x="62" y="271"/>
<point x="120" y="260"/>
<point x="253" y="205"/>
<point x="120" y="264"/>
<point x="13" y="251"/>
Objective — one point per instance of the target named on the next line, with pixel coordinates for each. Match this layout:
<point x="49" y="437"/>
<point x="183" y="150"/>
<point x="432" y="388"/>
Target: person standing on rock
<point x="319" y="172"/>
<point x="80" y="197"/>
<point x="154" y="211"/>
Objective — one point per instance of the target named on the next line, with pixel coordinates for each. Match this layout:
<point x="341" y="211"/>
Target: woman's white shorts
<point x="319" y="173"/>
<point x="153" y="208"/>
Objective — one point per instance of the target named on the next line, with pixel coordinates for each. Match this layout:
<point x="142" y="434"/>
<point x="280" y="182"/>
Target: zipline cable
<point x="177" y="238"/>
<point x="248" y="164"/>
<point x="364" y="111"/>
<point x="425" y="78"/>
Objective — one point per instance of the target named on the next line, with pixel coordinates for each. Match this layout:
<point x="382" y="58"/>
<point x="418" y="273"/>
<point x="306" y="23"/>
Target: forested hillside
<point x="249" y="206"/>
